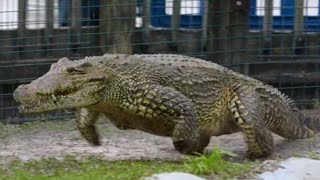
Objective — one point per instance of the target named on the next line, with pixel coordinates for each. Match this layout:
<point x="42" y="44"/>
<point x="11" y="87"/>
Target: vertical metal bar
<point x="226" y="40"/>
<point x="49" y="24"/>
<point x="175" y="24"/>
<point x="267" y="26"/>
<point x="146" y="25"/>
<point x="146" y="16"/>
<point x="76" y="15"/>
<point x="22" y="11"/>
<point x="299" y="27"/>
<point x="267" y="18"/>
<point x="238" y="30"/>
<point x="103" y="26"/>
<point x="120" y="28"/>
<point x="298" y="17"/>
<point x="214" y="42"/>
<point x="204" y="26"/>
<point x="75" y="24"/>
<point x="49" y="15"/>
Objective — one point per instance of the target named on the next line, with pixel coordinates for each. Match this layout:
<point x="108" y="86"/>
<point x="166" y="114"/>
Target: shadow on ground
<point x="60" y="138"/>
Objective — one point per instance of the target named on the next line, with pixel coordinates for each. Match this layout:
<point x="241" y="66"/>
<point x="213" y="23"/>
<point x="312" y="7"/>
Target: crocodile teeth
<point x="54" y="97"/>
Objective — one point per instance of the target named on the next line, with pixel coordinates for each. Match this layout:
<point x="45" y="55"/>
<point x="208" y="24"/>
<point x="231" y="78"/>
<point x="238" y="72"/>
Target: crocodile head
<point x="68" y="84"/>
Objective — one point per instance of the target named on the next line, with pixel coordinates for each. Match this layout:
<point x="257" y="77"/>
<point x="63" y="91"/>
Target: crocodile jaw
<point x="47" y="101"/>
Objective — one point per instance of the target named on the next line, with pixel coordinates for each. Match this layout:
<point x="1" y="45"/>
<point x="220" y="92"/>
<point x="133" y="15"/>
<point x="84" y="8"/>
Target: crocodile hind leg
<point x="247" y="111"/>
<point x="85" y="124"/>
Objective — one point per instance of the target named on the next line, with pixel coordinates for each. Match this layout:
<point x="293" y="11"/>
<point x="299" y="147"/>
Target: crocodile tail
<point x="310" y="118"/>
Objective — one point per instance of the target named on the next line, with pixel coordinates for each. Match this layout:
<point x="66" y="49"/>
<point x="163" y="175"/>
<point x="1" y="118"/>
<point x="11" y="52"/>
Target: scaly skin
<point x="186" y="98"/>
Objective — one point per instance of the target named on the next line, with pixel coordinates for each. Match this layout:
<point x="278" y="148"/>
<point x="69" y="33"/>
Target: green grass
<point x="96" y="168"/>
<point x="314" y="155"/>
<point x="89" y="168"/>
<point x="316" y="103"/>
<point x="215" y="164"/>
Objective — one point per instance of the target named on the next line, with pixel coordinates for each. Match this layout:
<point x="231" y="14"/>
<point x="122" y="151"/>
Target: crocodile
<point x="182" y="97"/>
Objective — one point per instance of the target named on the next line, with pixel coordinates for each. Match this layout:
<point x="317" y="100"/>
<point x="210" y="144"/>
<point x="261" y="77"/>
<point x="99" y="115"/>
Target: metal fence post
<point x="214" y="43"/>
<point x="299" y="28"/>
<point x="267" y="27"/>
<point x="49" y="25"/>
<point x="146" y="25"/>
<point x="75" y="25"/>
<point x="175" y="24"/>
<point x="238" y="33"/>
<point x="119" y="26"/>
<point x="22" y="11"/>
<point x="228" y="29"/>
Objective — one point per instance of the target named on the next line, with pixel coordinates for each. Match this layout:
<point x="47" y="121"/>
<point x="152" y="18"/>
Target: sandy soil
<point x="60" y="139"/>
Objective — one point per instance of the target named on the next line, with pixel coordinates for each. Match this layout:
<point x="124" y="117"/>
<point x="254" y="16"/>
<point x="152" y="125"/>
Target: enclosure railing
<point x="275" y="41"/>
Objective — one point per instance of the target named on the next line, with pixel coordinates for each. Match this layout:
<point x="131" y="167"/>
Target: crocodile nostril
<point x="22" y="86"/>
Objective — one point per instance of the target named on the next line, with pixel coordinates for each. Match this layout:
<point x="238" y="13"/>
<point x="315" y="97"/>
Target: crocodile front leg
<point x="85" y="124"/>
<point x="174" y="108"/>
<point x="247" y="109"/>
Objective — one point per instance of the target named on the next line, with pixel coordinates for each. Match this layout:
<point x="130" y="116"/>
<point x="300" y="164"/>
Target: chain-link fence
<point x="276" y="41"/>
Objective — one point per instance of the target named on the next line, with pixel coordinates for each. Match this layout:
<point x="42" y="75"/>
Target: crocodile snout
<point x="22" y="94"/>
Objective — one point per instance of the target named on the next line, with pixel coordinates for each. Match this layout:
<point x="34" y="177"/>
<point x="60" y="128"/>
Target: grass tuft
<point x="215" y="164"/>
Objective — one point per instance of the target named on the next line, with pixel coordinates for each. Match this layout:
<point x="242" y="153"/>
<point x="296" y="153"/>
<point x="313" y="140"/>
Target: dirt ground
<point x="60" y="138"/>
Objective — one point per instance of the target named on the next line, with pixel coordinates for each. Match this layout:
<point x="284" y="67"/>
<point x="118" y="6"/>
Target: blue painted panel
<point x="90" y="12"/>
<point x="286" y="20"/>
<point x="159" y="18"/>
<point x="282" y="22"/>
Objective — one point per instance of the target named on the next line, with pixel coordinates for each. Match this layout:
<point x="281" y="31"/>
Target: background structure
<point x="276" y="41"/>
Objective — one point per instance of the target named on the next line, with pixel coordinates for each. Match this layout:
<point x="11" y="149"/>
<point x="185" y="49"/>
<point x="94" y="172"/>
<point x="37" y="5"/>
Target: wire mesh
<point x="276" y="41"/>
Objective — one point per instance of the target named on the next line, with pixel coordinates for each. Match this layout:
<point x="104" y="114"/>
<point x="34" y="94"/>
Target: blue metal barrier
<point x="159" y="17"/>
<point x="283" y="21"/>
<point x="90" y="12"/>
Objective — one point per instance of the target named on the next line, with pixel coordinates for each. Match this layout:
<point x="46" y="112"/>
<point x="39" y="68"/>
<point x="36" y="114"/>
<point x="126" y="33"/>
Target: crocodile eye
<point x="72" y="70"/>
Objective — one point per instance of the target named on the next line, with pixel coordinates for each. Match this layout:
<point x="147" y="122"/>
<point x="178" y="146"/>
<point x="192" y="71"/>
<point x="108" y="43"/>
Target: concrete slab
<point x="174" y="176"/>
<point x="295" y="169"/>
